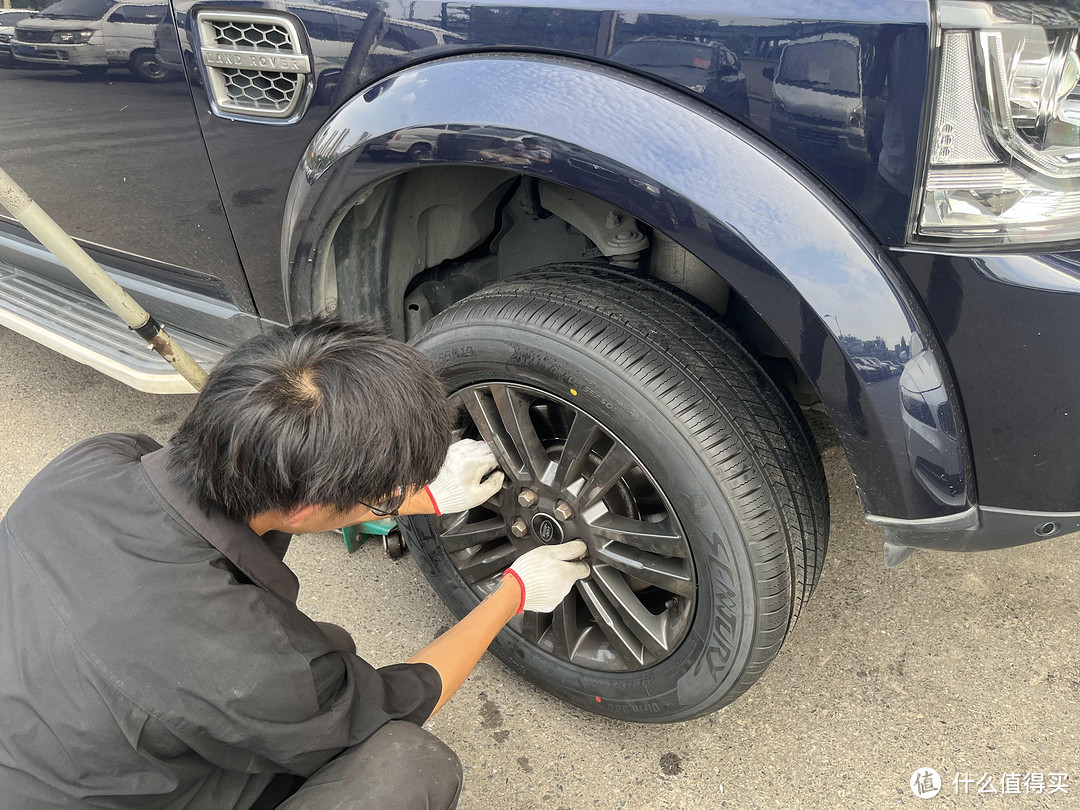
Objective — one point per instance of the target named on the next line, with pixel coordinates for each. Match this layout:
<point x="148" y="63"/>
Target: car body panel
<point x="252" y="189"/>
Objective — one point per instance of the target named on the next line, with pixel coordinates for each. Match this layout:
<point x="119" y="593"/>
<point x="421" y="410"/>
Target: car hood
<point x="816" y="105"/>
<point x="55" y="23"/>
<point x="920" y="374"/>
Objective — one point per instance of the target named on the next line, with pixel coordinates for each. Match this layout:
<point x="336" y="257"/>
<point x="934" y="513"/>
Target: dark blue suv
<point x="645" y="247"/>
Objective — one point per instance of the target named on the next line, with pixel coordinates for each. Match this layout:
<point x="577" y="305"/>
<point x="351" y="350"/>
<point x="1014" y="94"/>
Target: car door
<point x="122" y="166"/>
<point x="130" y="27"/>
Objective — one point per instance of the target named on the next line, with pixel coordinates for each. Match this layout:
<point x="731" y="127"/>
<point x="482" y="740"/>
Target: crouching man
<point x="151" y="650"/>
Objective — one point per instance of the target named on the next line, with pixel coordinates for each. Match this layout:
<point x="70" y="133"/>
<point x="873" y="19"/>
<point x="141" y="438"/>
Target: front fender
<point x="765" y="226"/>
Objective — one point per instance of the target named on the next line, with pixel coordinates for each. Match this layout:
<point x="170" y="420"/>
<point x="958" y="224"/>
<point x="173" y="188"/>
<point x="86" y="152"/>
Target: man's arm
<point x="456" y="652"/>
<point x="538" y="580"/>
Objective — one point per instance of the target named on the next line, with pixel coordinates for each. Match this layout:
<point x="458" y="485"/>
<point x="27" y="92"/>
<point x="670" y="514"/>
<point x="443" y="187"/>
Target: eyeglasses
<point x="390" y="506"/>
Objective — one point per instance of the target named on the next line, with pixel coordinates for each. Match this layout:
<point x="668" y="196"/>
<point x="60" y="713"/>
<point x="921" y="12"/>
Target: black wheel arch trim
<point x="771" y="231"/>
<point x="979" y="528"/>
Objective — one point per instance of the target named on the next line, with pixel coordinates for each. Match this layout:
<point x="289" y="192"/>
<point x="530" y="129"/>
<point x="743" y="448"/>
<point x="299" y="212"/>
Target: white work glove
<point x="460" y="484"/>
<point x="546" y="574"/>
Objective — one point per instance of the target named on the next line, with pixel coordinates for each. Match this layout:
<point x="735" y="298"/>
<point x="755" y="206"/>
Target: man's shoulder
<point x="115" y="448"/>
<point x="85" y="468"/>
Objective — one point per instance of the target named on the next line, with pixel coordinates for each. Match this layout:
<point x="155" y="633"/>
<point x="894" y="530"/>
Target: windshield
<point x="830" y="66"/>
<point x="77" y="9"/>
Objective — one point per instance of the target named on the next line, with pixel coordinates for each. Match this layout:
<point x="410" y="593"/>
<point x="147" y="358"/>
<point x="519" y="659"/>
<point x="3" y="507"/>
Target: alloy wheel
<point x="569" y="478"/>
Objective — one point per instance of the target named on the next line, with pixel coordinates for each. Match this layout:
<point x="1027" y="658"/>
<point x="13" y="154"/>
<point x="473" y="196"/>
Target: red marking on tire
<point x="597" y="698"/>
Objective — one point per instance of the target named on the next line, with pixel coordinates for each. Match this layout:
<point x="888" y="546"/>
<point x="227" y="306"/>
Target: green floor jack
<point x="387" y="528"/>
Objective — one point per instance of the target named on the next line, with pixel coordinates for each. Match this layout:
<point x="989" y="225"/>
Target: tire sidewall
<point x="705" y="670"/>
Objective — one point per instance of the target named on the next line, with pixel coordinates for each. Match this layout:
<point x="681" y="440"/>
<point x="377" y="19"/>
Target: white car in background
<point x="93" y="35"/>
<point x="8" y="18"/>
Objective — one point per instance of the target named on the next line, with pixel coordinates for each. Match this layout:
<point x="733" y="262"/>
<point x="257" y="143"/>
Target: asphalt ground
<point x="965" y="663"/>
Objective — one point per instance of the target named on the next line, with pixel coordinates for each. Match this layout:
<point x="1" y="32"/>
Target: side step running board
<point x="81" y="327"/>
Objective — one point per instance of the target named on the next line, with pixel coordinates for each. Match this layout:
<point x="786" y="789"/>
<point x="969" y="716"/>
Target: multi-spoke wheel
<point x="625" y="417"/>
<point x="568" y="478"/>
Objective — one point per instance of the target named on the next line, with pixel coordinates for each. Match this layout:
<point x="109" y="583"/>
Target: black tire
<point x="145" y="67"/>
<point x="719" y="455"/>
<point x="419" y="152"/>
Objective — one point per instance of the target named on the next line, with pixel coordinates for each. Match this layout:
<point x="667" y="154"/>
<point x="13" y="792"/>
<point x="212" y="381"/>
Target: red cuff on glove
<point x="510" y="572"/>
<point x="428" y="491"/>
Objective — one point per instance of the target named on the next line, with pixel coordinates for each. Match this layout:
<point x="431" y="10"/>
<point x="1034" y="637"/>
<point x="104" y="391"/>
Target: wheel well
<point x="416" y="243"/>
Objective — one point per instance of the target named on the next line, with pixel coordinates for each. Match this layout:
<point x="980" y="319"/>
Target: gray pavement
<point x="968" y="664"/>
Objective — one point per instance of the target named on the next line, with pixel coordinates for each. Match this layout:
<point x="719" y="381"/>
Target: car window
<point x="146" y="15"/>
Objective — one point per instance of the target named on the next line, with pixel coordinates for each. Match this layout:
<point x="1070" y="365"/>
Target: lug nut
<point x="519" y="527"/>
<point x="527" y="498"/>
<point x="563" y="511"/>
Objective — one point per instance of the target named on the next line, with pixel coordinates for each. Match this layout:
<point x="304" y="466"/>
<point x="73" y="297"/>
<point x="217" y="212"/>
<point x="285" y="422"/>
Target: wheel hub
<point x="547" y="529"/>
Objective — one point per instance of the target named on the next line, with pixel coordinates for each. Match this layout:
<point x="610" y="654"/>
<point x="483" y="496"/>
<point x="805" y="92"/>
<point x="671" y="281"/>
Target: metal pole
<point x="840" y="332"/>
<point x="89" y="272"/>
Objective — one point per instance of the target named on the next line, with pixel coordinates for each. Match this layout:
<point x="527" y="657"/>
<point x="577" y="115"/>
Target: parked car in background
<point x="821" y="100"/>
<point x="8" y="18"/>
<point x="706" y="67"/>
<point x="93" y="35"/>
<point x="338" y="30"/>
<point x="644" y="250"/>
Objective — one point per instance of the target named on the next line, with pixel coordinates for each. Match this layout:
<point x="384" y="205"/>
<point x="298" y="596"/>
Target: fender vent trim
<point x="255" y="64"/>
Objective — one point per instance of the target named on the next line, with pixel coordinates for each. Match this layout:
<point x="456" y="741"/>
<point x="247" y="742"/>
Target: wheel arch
<point x="763" y="225"/>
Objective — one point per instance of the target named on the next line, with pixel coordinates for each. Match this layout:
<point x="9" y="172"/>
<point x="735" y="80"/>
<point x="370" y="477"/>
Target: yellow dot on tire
<point x="573" y="391"/>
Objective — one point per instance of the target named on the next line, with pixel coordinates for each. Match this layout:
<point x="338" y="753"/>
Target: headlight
<point x="1004" y="152"/>
<point x="915" y="404"/>
<point x="72" y="37"/>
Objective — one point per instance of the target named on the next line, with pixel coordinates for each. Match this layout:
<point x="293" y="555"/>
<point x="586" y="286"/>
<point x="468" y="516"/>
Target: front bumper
<point x="1010" y="326"/>
<point x="47" y="53"/>
<point x="980" y="528"/>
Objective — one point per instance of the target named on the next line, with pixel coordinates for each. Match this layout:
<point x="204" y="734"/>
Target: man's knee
<point x="400" y="766"/>
<point x="428" y="768"/>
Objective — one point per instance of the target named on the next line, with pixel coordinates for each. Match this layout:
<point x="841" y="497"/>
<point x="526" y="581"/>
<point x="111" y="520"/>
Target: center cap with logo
<point x="547" y="529"/>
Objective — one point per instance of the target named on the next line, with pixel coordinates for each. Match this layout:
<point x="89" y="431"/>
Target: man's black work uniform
<point x="152" y="655"/>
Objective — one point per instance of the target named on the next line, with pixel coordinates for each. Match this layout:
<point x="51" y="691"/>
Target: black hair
<point x="323" y="412"/>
